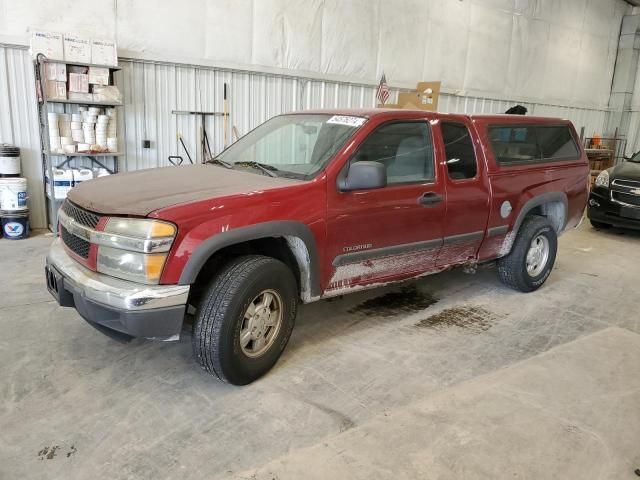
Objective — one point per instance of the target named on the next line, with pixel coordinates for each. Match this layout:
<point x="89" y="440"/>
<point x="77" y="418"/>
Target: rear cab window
<point x="523" y="144"/>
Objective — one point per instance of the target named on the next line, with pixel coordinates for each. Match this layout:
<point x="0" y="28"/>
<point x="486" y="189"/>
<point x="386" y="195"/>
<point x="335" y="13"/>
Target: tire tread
<point x="510" y="268"/>
<point x="206" y="339"/>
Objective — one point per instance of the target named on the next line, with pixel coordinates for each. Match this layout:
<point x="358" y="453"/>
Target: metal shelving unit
<point x="91" y="104"/>
<point x="50" y="160"/>
<point x="603" y="153"/>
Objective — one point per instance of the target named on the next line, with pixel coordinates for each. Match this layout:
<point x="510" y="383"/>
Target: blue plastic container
<point x="15" y="225"/>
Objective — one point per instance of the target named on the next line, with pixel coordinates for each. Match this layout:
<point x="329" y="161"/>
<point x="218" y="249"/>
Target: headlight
<point x="137" y="267"/>
<point x="134" y="249"/>
<point x="602" y="180"/>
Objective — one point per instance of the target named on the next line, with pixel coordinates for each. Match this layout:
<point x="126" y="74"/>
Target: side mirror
<point x="363" y="176"/>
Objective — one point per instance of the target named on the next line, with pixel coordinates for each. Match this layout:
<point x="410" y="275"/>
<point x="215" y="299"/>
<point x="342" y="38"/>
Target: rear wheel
<point x="245" y="319"/>
<point x="532" y="256"/>
<point x="599" y="225"/>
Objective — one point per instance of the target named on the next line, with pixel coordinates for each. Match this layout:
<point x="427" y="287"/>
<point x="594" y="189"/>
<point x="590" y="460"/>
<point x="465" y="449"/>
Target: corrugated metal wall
<point x="19" y="123"/>
<point x="152" y="90"/>
<point x="633" y="142"/>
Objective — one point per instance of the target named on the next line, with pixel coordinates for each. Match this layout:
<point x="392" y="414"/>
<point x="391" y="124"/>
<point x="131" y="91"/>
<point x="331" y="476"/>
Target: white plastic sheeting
<point x="536" y="50"/>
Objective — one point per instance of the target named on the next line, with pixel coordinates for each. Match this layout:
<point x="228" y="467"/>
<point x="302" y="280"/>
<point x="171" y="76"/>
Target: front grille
<point x="626" y="183"/>
<point x="76" y="244"/>
<point x="627" y="198"/>
<point x="80" y="215"/>
<point x="626" y="192"/>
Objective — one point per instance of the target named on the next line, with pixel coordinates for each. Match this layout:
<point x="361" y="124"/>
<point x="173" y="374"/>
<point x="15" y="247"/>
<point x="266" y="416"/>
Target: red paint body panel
<point x="518" y="184"/>
<point x="198" y="221"/>
<point x="383" y="217"/>
<point x="467" y="202"/>
<point x="391" y="216"/>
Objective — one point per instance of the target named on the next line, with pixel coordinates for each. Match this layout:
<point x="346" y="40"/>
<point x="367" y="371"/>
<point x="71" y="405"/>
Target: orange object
<point x="596" y="140"/>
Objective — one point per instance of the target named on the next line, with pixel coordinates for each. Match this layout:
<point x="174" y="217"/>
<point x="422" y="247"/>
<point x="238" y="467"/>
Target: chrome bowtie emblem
<point x="635" y="191"/>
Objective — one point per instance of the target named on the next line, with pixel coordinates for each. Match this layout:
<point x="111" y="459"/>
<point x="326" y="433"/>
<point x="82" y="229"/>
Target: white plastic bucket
<point x="13" y="194"/>
<point x="9" y="160"/>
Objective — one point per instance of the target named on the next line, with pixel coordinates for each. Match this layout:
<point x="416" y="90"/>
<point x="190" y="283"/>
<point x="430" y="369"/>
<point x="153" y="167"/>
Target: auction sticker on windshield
<point x="347" y="120"/>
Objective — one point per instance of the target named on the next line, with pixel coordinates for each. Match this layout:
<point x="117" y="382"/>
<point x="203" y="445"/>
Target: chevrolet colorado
<point x="307" y="206"/>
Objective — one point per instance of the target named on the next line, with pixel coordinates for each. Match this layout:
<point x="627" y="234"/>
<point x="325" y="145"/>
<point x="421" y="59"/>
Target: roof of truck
<point x="399" y="113"/>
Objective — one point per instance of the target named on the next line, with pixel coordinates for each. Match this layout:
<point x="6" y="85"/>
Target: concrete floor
<point x="453" y="376"/>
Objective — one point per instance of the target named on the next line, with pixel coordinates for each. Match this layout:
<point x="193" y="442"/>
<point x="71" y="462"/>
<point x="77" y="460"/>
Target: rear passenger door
<point x="467" y="190"/>
<point x="387" y="233"/>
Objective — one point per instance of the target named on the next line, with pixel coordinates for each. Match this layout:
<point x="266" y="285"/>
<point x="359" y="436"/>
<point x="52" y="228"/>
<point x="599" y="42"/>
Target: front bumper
<point x="117" y="307"/>
<point x="602" y="209"/>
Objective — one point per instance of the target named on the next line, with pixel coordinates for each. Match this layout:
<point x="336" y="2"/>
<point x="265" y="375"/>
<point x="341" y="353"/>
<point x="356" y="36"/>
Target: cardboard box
<point x="55" y="90"/>
<point x="108" y="93"/>
<point x="47" y="43"/>
<point x="99" y="76"/>
<point x="81" y="97"/>
<point x="79" y="83"/>
<point x="103" y="52"/>
<point x="55" y="71"/>
<point x="78" y="69"/>
<point x="424" y="97"/>
<point x="77" y="49"/>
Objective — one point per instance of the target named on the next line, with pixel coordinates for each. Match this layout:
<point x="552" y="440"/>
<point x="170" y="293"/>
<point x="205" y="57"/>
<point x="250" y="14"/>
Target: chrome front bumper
<point x="122" y="306"/>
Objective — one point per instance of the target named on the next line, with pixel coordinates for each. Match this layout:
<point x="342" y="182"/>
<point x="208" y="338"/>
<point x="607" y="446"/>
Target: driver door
<point x="394" y="232"/>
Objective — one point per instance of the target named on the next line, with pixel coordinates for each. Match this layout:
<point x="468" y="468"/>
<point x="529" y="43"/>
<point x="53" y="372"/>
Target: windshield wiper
<point x="217" y="161"/>
<point x="268" y="169"/>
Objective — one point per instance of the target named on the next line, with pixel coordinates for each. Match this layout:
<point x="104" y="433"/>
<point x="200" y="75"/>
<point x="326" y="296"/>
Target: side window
<point x="557" y="143"/>
<point x="458" y="148"/>
<point x="404" y="148"/>
<point x="513" y="145"/>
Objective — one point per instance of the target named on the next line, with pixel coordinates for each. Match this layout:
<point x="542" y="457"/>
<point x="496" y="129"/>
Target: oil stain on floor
<point x="407" y="300"/>
<point x="472" y="319"/>
<point x="48" y="452"/>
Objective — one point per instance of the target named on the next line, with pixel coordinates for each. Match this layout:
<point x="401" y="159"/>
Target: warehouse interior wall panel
<point x="620" y="86"/>
<point x="633" y="141"/>
<point x="19" y="124"/>
<point x="531" y="50"/>
<point x="254" y="98"/>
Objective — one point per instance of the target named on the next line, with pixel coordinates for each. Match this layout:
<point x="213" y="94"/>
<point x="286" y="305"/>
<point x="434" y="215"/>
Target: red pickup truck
<point x="307" y="206"/>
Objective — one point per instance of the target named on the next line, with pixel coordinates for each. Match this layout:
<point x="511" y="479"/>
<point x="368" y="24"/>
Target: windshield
<point x="296" y="145"/>
<point x="635" y="158"/>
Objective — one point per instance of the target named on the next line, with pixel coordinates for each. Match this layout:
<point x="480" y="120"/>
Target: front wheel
<point x="532" y="256"/>
<point x="245" y="319"/>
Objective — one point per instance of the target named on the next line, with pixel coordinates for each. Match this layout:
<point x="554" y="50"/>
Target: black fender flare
<point x="542" y="199"/>
<point x="299" y="238"/>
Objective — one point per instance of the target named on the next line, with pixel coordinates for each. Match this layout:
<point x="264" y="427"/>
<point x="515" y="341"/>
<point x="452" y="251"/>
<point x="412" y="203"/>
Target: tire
<point x="216" y="340"/>
<point x="513" y="270"/>
<point x="599" y="225"/>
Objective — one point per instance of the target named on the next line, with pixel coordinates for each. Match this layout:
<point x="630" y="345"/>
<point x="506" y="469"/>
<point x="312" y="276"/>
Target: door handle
<point x="429" y="199"/>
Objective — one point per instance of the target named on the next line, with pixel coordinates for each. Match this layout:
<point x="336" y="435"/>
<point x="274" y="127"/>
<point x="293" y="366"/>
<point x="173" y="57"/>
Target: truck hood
<point x="141" y="192"/>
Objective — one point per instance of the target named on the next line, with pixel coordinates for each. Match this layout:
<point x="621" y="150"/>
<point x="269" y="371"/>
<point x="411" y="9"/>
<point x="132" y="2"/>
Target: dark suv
<point x="615" y="198"/>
